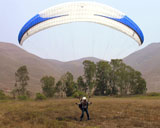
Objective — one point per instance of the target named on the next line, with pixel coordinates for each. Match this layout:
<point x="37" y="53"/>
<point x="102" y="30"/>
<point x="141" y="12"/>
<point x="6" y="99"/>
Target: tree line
<point x="102" y="79"/>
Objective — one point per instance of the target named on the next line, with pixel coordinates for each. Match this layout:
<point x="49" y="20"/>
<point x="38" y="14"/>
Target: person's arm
<point x="89" y="103"/>
<point x="77" y="103"/>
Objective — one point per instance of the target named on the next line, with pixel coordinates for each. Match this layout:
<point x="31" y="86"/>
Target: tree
<point x="123" y="79"/>
<point x="115" y="75"/>
<point x="103" y="70"/>
<point x="60" y="88"/>
<point x="126" y="79"/>
<point x="81" y="84"/>
<point x="68" y="84"/>
<point x="140" y="86"/>
<point x="137" y="83"/>
<point x="48" y="85"/>
<point x="2" y="95"/>
<point x="21" y="81"/>
<point x="89" y="73"/>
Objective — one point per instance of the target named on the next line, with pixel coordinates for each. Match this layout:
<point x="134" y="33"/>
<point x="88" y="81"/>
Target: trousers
<point x="84" y="110"/>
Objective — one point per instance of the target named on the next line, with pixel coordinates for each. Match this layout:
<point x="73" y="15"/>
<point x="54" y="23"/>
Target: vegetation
<point x="89" y="74"/>
<point x="101" y="79"/>
<point x="103" y="72"/>
<point x="3" y="96"/>
<point x="81" y="84"/>
<point x="79" y="94"/>
<point x="118" y="78"/>
<point x="48" y="88"/>
<point x="40" y="96"/>
<point x="152" y="94"/>
<point x="22" y="97"/>
<point x="63" y="113"/>
<point x="21" y="83"/>
<point x="68" y="84"/>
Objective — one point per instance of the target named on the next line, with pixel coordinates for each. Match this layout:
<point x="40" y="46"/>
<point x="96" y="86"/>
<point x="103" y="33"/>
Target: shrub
<point x="2" y="95"/>
<point x="153" y="94"/>
<point x="40" y="96"/>
<point x="22" y="97"/>
<point x="78" y="94"/>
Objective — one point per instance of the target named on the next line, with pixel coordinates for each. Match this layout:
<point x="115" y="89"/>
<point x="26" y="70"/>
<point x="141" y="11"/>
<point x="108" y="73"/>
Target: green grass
<point x="105" y="112"/>
<point x="146" y="96"/>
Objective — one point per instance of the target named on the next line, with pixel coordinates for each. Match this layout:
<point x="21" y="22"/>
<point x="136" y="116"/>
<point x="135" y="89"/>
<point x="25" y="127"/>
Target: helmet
<point x="84" y="98"/>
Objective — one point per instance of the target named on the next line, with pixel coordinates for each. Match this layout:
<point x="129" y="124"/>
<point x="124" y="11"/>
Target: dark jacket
<point x="84" y="105"/>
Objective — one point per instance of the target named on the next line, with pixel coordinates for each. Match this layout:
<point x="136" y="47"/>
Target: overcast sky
<point x="77" y="40"/>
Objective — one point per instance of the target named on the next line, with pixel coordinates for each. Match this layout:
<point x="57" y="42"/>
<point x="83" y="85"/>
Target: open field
<point x="135" y="112"/>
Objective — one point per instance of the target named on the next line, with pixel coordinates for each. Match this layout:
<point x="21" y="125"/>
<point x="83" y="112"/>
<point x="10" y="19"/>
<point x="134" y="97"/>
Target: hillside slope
<point x="12" y="57"/>
<point x="75" y="66"/>
<point x="147" y="61"/>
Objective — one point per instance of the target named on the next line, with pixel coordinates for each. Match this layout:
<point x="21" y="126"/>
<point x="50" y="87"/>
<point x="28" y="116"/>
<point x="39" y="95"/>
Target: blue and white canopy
<point x="81" y="12"/>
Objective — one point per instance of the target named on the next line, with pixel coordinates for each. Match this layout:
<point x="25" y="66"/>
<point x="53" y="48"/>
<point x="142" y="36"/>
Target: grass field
<point x="135" y="112"/>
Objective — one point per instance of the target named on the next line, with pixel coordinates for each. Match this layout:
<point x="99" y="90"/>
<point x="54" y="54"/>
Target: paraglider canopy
<point x="85" y="12"/>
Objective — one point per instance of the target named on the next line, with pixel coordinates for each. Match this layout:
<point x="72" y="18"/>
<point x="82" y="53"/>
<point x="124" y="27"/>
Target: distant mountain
<point x="75" y="67"/>
<point x="12" y="57"/>
<point x="147" y="61"/>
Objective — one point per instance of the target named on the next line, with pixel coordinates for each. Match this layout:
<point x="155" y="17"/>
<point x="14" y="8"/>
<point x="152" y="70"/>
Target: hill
<point x="147" y="61"/>
<point x="75" y="66"/>
<point x="12" y="57"/>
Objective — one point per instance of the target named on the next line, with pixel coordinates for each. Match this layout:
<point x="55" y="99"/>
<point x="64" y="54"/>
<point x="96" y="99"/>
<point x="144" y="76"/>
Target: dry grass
<point x="63" y="113"/>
